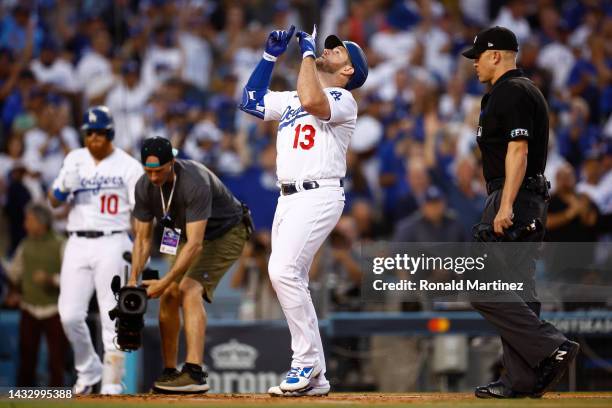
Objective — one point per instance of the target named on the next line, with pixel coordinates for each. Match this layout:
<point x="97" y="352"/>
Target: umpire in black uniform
<point x="513" y="138"/>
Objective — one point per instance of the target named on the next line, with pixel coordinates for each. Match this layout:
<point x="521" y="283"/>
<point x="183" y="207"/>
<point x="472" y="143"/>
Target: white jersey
<point x="105" y="196"/>
<point x="309" y="148"/>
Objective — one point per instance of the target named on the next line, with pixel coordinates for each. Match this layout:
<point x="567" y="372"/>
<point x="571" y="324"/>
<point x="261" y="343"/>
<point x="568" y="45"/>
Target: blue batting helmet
<point x="357" y="57"/>
<point x="99" y="118"/>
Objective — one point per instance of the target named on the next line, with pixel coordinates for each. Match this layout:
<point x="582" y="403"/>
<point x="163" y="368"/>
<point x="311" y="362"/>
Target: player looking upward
<point x="315" y="126"/>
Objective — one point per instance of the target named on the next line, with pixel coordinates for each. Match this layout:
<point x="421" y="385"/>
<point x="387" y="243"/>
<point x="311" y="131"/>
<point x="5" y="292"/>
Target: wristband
<point x="60" y="195"/>
<point x="269" y="57"/>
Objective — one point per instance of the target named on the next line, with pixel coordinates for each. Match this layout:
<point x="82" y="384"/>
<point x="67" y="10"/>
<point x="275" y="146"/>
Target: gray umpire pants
<point x="526" y="339"/>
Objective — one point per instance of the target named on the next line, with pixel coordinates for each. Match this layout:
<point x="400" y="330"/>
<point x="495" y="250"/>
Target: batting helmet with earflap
<point x="99" y="118"/>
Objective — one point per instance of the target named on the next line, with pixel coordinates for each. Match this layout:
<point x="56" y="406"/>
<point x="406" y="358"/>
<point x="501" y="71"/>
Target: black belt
<point x="290" y="188"/>
<point x="535" y="184"/>
<point x="93" y="234"/>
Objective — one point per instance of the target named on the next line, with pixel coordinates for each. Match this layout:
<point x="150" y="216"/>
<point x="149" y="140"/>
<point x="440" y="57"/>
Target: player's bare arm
<point x="143" y="232"/>
<point x="309" y="88"/>
<point x="516" y="166"/>
<point x="310" y="91"/>
<point x="185" y="258"/>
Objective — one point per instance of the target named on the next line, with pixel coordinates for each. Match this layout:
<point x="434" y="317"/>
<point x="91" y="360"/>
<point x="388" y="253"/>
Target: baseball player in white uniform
<point x="315" y="127"/>
<point x="98" y="181"/>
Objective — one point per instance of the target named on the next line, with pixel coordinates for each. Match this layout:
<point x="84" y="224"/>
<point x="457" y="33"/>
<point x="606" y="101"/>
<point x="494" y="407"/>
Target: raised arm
<point x="309" y="88"/>
<point x="259" y="82"/>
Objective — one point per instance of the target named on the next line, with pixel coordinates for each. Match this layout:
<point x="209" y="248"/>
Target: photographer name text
<point x="452" y="285"/>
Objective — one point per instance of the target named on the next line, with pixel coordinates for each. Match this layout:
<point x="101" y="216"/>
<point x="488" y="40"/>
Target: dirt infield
<point x="416" y="400"/>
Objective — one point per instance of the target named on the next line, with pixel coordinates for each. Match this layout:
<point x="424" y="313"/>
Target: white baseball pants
<point x="89" y="264"/>
<point x="301" y="223"/>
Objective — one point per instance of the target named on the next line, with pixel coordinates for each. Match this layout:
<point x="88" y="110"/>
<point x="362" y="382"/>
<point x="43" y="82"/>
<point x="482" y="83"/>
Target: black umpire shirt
<point x="514" y="109"/>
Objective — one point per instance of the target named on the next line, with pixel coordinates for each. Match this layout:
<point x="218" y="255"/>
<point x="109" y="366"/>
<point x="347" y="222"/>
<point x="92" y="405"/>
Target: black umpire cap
<point x="494" y="38"/>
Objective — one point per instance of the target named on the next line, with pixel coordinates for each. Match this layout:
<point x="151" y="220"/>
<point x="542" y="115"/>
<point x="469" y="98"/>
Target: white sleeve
<point x="134" y="174"/>
<point x="275" y="103"/>
<point x="68" y="165"/>
<point x="342" y="106"/>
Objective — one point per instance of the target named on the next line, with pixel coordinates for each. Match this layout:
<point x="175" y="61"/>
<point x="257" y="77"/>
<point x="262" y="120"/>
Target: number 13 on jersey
<point x="308" y="139"/>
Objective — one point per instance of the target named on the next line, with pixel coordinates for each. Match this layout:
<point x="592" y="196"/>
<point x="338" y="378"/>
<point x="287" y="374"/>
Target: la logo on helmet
<point x="92" y="117"/>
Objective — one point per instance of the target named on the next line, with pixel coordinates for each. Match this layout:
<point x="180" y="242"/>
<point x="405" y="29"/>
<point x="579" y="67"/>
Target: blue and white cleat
<point x="298" y="378"/>
<point x="316" y="391"/>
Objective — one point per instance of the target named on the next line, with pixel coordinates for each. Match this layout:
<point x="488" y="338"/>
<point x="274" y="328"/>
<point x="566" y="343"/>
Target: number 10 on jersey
<point x="109" y="204"/>
<point x="308" y="140"/>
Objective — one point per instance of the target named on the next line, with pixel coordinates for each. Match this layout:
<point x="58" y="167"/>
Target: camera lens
<point x="132" y="302"/>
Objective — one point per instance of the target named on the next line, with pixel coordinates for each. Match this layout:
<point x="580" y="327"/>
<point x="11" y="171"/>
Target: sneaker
<point x="111" y="389"/>
<point x="167" y="375"/>
<point x="82" y="389"/>
<point x="552" y="368"/>
<point x="298" y="378"/>
<point x="85" y="388"/>
<point x="187" y="381"/>
<point x="316" y="391"/>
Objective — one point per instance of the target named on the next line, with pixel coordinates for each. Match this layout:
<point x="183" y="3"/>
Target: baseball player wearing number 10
<point x="315" y="126"/>
<point x="98" y="181"/>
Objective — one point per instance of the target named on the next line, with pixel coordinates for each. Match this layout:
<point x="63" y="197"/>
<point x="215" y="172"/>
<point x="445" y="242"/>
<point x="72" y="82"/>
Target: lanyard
<point x="165" y="208"/>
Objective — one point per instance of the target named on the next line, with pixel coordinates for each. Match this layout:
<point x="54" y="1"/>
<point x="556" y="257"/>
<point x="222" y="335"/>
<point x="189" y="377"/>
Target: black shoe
<point x="497" y="389"/>
<point x="552" y="368"/>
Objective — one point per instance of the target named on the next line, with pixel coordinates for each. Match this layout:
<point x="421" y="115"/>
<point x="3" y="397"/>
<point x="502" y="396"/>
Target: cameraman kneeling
<point x="189" y="202"/>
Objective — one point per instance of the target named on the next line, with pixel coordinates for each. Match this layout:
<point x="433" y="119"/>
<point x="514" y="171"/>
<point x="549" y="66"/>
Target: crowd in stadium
<point x="177" y="68"/>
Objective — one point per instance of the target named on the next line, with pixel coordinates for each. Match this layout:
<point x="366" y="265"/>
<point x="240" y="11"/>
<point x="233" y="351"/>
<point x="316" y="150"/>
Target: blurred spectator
<point x="127" y="101"/>
<point x="395" y="42"/>
<point x="16" y="101"/>
<point x="192" y="39"/>
<point x="595" y="183"/>
<point x="50" y="141"/>
<point x="557" y="57"/>
<point x="512" y="16"/>
<point x="94" y="72"/>
<point x="223" y="103"/>
<point x="35" y="271"/>
<point x="528" y="62"/>
<point x="572" y="217"/>
<point x="22" y="186"/>
<point x="364" y="143"/>
<point x="203" y="143"/>
<point x="20" y="27"/>
<point x="577" y="136"/>
<point x="419" y="182"/>
<point x="465" y="192"/>
<point x="369" y="226"/>
<point x="163" y="58"/>
<point x="432" y="223"/>
<point x="53" y="71"/>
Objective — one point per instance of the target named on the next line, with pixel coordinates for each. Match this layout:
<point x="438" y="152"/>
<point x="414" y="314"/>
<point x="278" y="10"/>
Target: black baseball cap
<point x="158" y="147"/>
<point x="494" y="38"/>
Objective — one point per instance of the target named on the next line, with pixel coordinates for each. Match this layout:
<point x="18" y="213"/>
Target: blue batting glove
<point x="277" y="43"/>
<point x="307" y="43"/>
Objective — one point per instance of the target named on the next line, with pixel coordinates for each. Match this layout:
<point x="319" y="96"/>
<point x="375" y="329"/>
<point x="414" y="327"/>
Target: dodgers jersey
<point x="105" y="196"/>
<point x="309" y="148"/>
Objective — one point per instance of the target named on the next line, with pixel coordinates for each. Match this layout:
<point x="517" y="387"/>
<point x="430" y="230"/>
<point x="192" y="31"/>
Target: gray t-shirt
<point x="198" y="195"/>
